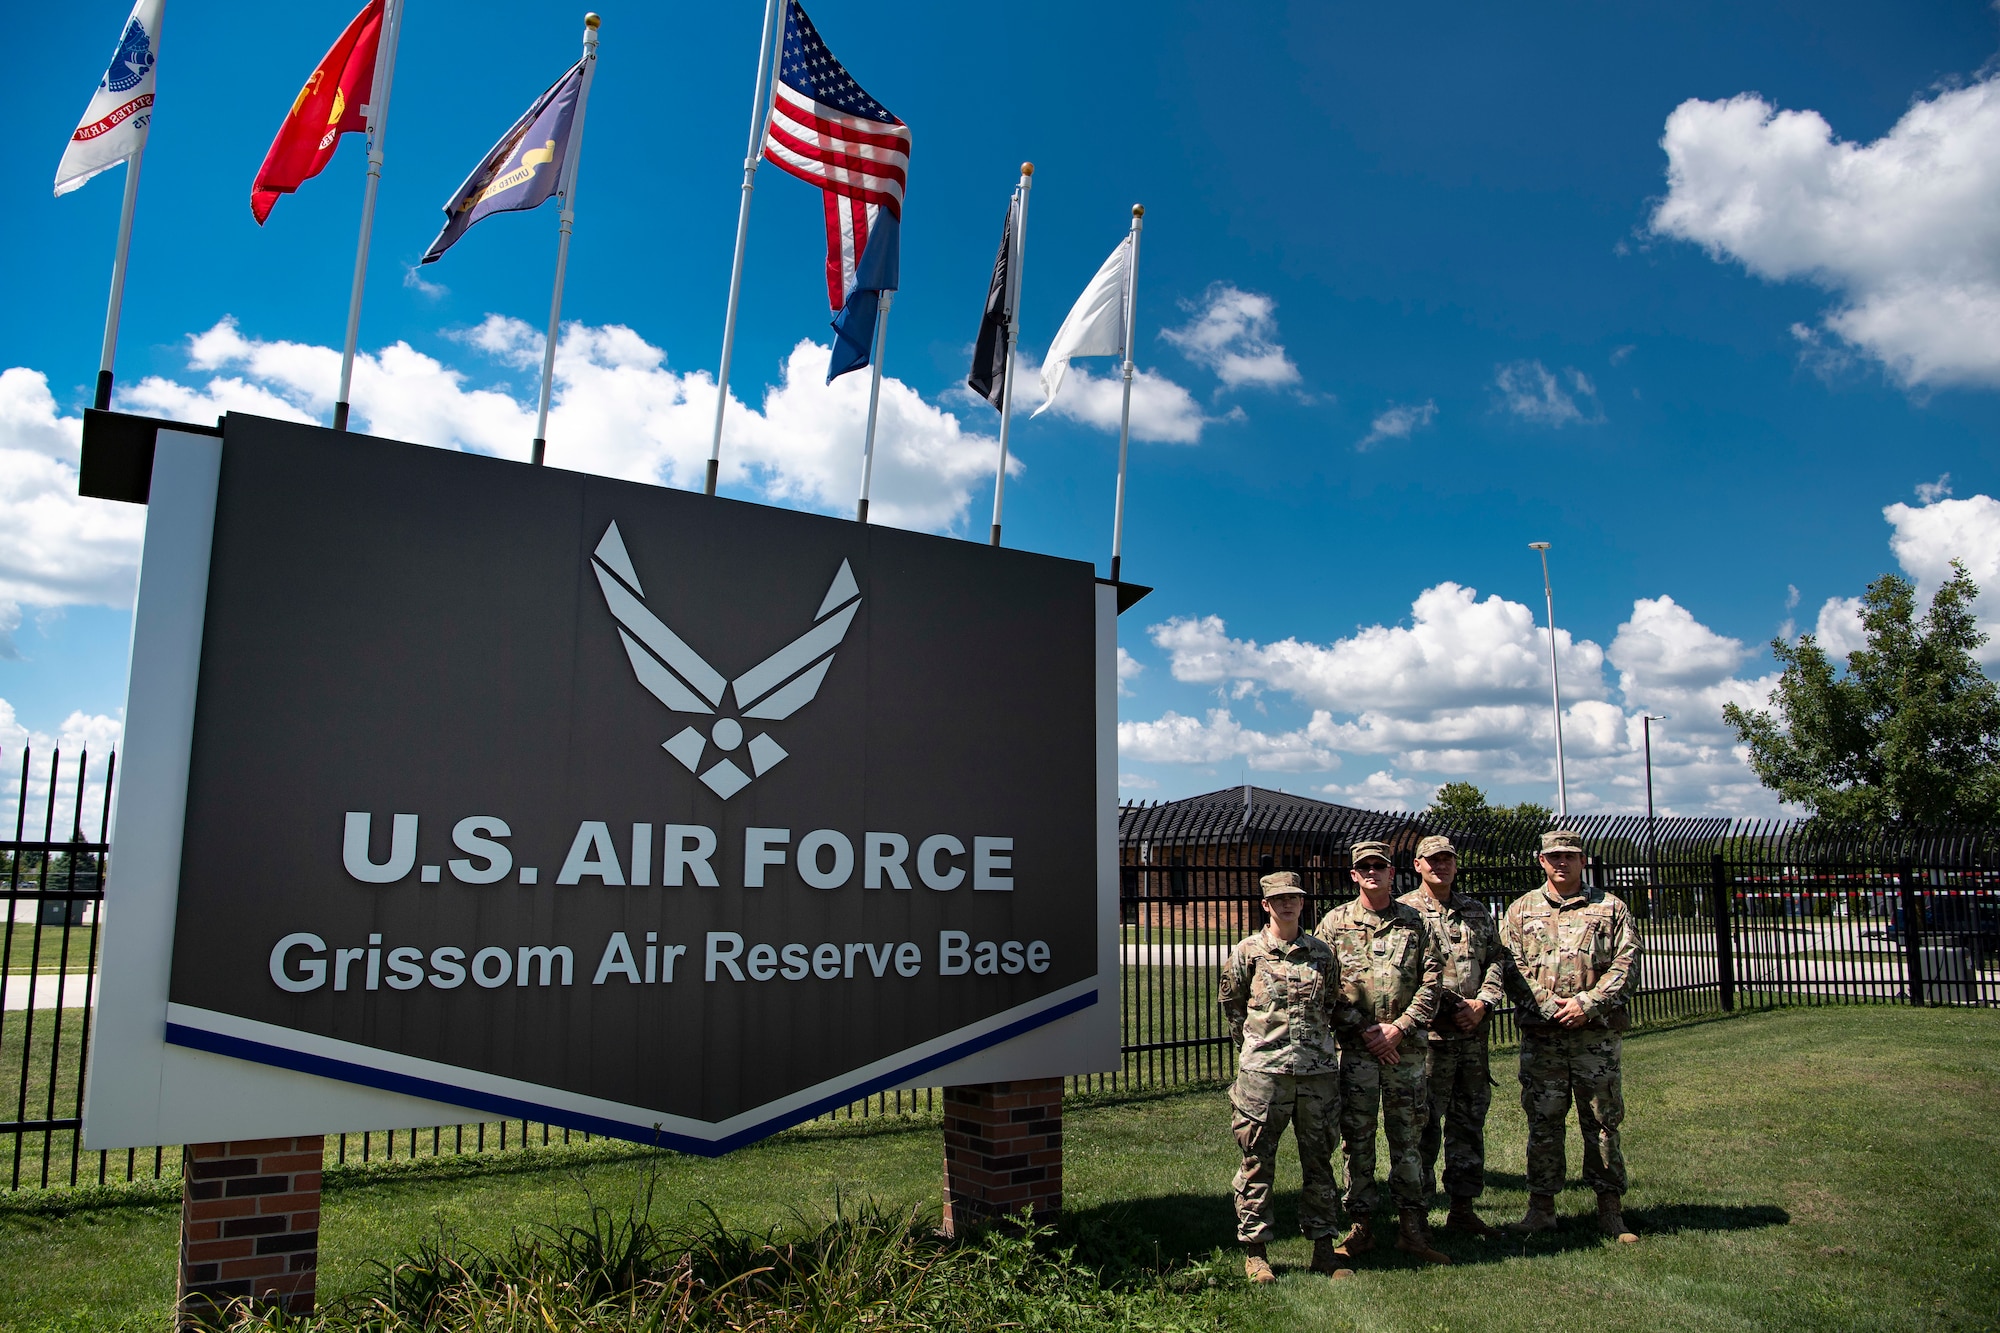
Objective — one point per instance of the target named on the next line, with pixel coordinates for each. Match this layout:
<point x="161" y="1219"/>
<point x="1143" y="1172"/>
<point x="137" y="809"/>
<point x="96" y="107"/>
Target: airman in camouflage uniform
<point x="1576" y="951"/>
<point x="1281" y="993"/>
<point x="1392" y="973"/>
<point x="1456" y="1073"/>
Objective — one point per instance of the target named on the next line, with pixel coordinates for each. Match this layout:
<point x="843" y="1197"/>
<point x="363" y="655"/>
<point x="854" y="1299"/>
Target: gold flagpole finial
<point x="1027" y="168"/>
<point x="591" y="20"/>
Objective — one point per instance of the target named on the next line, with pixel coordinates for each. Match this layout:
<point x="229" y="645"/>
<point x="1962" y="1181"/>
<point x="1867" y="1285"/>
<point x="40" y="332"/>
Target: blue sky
<point x="1417" y="288"/>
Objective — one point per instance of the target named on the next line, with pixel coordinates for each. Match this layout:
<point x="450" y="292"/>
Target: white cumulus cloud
<point x="1457" y="651"/>
<point x="1218" y="738"/>
<point x="1380" y="790"/>
<point x="1234" y="333"/>
<point x="56" y="548"/>
<point x="1905" y="231"/>
<point x="1927" y="538"/>
<point x="81" y="735"/>
<point x="1664" y="646"/>
<point x="1533" y="392"/>
<point x="1461" y="692"/>
<point x="1839" y="629"/>
<point x="1399" y="422"/>
<point x="1673" y="666"/>
<point x="617" y="409"/>
<point x="1163" y="412"/>
<point x="1930" y="492"/>
<point x="1129" y="668"/>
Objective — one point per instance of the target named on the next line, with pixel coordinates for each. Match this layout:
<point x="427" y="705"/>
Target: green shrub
<point x="861" y="1270"/>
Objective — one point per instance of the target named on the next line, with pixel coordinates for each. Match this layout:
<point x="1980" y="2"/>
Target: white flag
<point x="113" y="128"/>
<point x="1096" y="323"/>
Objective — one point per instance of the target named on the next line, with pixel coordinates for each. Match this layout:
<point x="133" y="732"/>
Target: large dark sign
<point x="619" y="806"/>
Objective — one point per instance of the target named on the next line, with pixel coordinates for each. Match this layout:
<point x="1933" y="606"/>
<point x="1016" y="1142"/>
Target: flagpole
<point x="378" y="126"/>
<point x="571" y="156"/>
<point x="874" y="399"/>
<point x="1019" y="233"/>
<point x="760" y="107"/>
<point x="103" y="399"/>
<point x="1125" y="409"/>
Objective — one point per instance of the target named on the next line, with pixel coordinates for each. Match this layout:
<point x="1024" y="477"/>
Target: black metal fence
<point x="1735" y="914"/>
<point x="48" y="969"/>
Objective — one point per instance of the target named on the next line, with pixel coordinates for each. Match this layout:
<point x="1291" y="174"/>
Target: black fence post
<point x="1913" y="930"/>
<point x="1725" y="950"/>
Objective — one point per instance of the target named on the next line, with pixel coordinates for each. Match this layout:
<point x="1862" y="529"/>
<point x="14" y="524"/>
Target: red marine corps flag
<point x="348" y="92"/>
<point x="329" y="106"/>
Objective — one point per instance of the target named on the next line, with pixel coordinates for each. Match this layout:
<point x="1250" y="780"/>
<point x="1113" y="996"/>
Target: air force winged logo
<point x="678" y="677"/>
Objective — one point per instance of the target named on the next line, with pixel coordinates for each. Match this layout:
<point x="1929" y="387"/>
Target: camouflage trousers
<point x="1264" y="1105"/>
<point x="1456" y="1075"/>
<point x="1394" y="1095"/>
<point x="1581" y="1066"/>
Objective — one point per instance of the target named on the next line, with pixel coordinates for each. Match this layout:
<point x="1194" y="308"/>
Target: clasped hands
<point x="1384" y="1041"/>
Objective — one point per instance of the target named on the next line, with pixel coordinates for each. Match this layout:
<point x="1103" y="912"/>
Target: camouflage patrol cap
<point x="1282" y="882"/>
<point x="1369" y="847"/>
<point x="1562" y="840"/>
<point x="1434" y="844"/>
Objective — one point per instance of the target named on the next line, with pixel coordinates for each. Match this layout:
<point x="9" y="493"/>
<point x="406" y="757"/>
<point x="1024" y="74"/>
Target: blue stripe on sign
<point x="517" y="1108"/>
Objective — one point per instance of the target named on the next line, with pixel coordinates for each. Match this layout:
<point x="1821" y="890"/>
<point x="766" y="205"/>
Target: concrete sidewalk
<point x="47" y="990"/>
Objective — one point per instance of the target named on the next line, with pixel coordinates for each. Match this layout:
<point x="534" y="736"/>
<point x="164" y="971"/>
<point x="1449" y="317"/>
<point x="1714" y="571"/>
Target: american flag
<point x="826" y="129"/>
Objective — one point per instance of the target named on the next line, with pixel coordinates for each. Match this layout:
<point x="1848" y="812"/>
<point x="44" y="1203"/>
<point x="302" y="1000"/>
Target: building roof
<point x="1234" y="813"/>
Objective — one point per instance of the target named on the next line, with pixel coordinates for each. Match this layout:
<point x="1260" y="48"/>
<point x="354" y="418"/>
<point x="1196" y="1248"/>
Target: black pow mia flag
<point x="988" y="378"/>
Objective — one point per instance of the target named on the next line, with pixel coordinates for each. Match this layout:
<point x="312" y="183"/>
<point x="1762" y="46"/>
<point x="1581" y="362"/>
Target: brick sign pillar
<point x="1002" y="1151"/>
<point x="249" y="1225"/>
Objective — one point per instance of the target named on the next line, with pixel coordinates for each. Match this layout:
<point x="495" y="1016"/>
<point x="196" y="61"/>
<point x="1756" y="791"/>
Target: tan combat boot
<point x="1359" y="1240"/>
<point x="1611" y="1218"/>
<point x="1255" y="1266"/>
<point x="1541" y="1215"/>
<point x="1464" y="1220"/>
<point x="1414" y="1237"/>
<point x="1326" y="1259"/>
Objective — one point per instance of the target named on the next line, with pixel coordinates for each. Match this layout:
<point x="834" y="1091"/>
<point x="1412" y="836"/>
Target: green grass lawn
<point x="46" y="948"/>
<point x="1808" y="1169"/>
<point x="41" y="1062"/>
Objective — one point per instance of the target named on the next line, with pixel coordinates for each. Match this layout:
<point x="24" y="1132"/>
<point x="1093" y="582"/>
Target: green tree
<point x="1462" y="802"/>
<point x="1456" y="802"/>
<point x="1908" y="734"/>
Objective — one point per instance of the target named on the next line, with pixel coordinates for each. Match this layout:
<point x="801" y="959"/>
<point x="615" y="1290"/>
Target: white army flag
<point x="1096" y="323"/>
<point x="113" y="127"/>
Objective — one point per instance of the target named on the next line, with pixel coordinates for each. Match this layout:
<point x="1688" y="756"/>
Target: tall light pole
<point x="1652" y="834"/>
<point x="1555" y="685"/>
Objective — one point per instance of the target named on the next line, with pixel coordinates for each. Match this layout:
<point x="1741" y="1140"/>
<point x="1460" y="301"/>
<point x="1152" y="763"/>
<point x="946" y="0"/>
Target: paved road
<point x="1870" y="966"/>
<point x="45" y="989"/>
